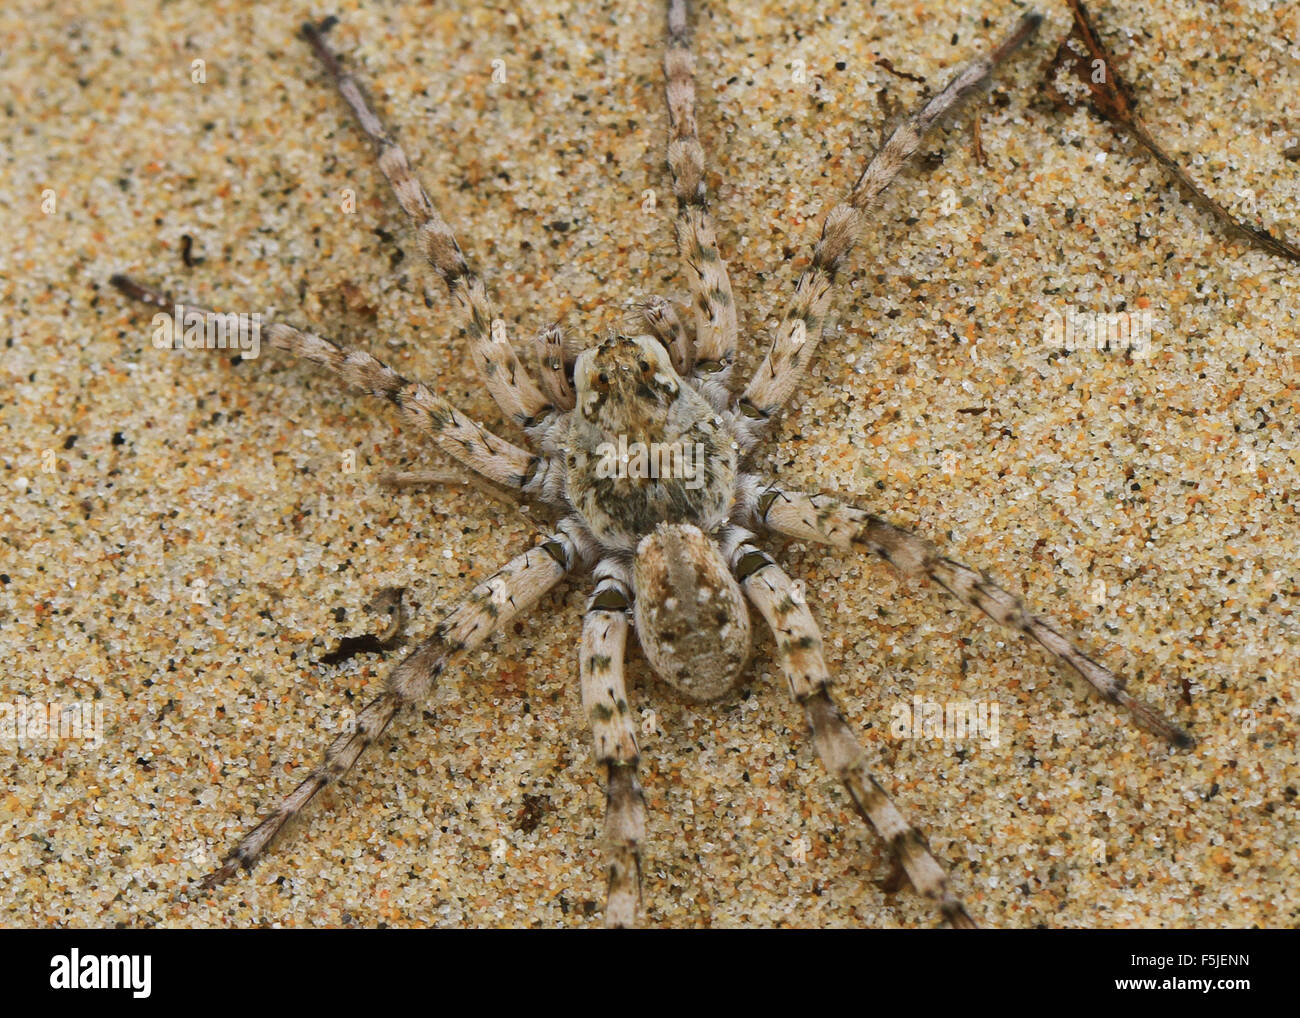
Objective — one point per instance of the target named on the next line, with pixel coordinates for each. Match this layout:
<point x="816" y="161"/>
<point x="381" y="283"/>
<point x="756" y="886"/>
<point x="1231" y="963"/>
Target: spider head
<point x="625" y="378"/>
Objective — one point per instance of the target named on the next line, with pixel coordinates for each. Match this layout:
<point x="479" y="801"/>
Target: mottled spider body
<point x="645" y="447"/>
<point x="652" y="469"/>
<point x="643" y="450"/>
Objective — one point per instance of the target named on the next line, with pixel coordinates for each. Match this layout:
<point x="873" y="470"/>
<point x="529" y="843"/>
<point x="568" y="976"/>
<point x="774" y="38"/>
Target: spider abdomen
<point x="690" y="613"/>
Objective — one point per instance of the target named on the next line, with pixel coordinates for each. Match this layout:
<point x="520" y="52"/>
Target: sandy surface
<point x="1149" y="504"/>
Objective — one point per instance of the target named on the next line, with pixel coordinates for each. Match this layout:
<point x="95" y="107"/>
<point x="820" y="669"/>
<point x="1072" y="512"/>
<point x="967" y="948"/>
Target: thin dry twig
<point x="1082" y="56"/>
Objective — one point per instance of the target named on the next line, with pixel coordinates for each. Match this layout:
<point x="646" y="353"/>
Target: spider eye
<point x="644" y="366"/>
<point x="603" y="378"/>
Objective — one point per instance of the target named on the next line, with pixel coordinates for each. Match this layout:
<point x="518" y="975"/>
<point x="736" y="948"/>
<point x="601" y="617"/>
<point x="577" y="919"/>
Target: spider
<point x="642" y="446"/>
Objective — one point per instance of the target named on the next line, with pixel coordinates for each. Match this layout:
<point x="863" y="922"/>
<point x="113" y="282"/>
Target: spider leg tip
<point x="128" y="287"/>
<point x="220" y="875"/>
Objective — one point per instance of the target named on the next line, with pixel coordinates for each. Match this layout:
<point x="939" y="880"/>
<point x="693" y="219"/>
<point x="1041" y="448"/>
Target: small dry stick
<point x="1082" y="55"/>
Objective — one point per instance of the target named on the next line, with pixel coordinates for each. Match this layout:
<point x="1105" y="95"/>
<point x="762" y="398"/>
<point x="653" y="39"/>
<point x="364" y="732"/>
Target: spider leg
<point x="827" y="520"/>
<point x="805" y="317"/>
<point x="604" y="700"/>
<point x="554" y="378"/>
<point x="462" y="438"/>
<point x="716" y="331"/>
<point x="799" y="652"/>
<point x="505" y="376"/>
<point x="663" y="318"/>
<point x="515" y="588"/>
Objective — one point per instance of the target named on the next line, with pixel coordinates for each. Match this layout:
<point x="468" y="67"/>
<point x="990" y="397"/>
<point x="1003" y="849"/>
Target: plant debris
<point x="388" y="600"/>
<point x="1082" y="58"/>
<point x="906" y="76"/>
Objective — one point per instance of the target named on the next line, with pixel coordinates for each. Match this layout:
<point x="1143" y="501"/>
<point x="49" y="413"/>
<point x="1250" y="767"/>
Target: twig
<point x="1082" y="56"/>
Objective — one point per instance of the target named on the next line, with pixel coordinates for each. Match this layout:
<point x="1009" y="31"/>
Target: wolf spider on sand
<point x="674" y="555"/>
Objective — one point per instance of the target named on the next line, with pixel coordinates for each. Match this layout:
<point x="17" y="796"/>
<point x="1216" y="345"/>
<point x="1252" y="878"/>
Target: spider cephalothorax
<point x="644" y="447"/>
<point x="640" y="452"/>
